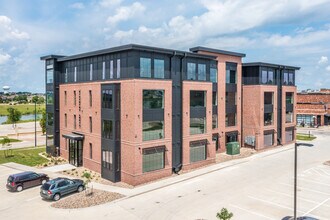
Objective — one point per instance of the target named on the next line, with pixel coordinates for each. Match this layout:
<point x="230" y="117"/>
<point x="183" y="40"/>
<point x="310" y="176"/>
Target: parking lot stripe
<point x="311" y="190"/>
<point x="273" y="203"/>
<point x="251" y="212"/>
<point x="325" y="172"/>
<point x="317" y="206"/>
<point x="311" y="181"/>
<point x="321" y="174"/>
<point x="33" y="198"/>
<point x="291" y="196"/>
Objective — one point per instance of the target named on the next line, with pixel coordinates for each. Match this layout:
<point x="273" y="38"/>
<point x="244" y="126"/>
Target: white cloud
<point x="77" y="5"/>
<point x="328" y="68"/>
<point x="126" y="12"/>
<point x="4" y="58"/>
<point x="9" y="32"/>
<point x="110" y="3"/>
<point x="323" y="60"/>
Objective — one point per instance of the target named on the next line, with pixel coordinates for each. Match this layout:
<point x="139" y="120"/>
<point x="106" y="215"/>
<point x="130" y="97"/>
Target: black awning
<point x="77" y="137"/>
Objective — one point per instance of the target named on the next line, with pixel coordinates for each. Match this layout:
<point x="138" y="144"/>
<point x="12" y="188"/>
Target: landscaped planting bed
<point x="84" y="200"/>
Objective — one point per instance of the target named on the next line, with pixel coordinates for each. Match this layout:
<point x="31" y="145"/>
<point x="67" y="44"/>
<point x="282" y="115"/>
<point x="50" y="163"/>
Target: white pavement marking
<point x="317" y="206"/>
<point x="251" y="212"/>
<point x="326" y="173"/>
<point x="291" y="196"/>
<point x="319" y="173"/>
<point x="299" y="187"/>
<point x="311" y="181"/>
<point x="33" y="198"/>
<point x="273" y="203"/>
<point x="306" y="171"/>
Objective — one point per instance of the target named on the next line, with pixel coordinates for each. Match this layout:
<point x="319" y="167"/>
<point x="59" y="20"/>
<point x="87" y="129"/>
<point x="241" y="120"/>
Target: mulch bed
<point x="82" y="200"/>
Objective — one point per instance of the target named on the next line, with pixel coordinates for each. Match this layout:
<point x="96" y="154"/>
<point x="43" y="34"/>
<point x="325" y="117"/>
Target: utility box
<point x="233" y="148"/>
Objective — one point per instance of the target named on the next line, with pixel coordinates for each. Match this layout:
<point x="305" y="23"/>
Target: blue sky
<point x="295" y="32"/>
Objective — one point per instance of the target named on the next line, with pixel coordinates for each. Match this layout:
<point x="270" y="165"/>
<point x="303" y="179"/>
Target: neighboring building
<point x="313" y="108"/>
<point x="269" y="96"/>
<point x="137" y="113"/>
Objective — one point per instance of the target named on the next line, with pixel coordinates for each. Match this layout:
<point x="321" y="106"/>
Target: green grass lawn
<point x="305" y="137"/>
<point x="23" y="108"/>
<point x="26" y="156"/>
<point x="22" y="121"/>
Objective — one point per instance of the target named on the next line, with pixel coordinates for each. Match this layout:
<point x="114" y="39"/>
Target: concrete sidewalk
<point x="51" y="171"/>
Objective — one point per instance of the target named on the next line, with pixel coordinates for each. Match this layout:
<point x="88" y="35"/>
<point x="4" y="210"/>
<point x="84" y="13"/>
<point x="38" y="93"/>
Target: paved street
<point x="260" y="187"/>
<point x="23" y="132"/>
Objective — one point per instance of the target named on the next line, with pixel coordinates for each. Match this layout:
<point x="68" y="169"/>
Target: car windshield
<point x="46" y="186"/>
<point x="10" y="179"/>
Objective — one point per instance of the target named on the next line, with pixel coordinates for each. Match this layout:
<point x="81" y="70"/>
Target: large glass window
<point x="289" y="134"/>
<point x="214" y="121"/>
<point x="153" y="130"/>
<point x="50" y="118"/>
<point x="50" y="98"/>
<point x="214" y="75"/>
<point x="153" y="99"/>
<point x="111" y="69"/>
<point x="231" y="76"/>
<point x="91" y="71"/>
<point x="118" y="68"/>
<point x="231" y="137"/>
<point x="268" y="138"/>
<point x="197" y="99"/>
<point x="197" y="126"/>
<point x="268" y="119"/>
<point x="268" y="98"/>
<point x="288" y="116"/>
<point x="267" y="77"/>
<point x="289" y="98"/>
<point x="103" y="70"/>
<point x="197" y="151"/>
<point x="107" y="98"/>
<point x="66" y="75"/>
<point x="107" y="159"/>
<point x="214" y="99"/>
<point x="231" y="98"/>
<point x="191" y="71"/>
<point x="231" y="119"/>
<point x="285" y="78"/>
<point x="201" y="72"/>
<point x="291" y="80"/>
<point x="145" y="67"/>
<point x="50" y="74"/>
<point x="159" y="68"/>
<point x="153" y="159"/>
<point x="107" y="129"/>
<point x="75" y="74"/>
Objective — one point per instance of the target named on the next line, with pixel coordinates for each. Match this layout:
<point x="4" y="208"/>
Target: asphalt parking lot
<point x="17" y="200"/>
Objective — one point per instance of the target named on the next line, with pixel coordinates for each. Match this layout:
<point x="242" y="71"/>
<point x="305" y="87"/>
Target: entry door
<point x="72" y="152"/>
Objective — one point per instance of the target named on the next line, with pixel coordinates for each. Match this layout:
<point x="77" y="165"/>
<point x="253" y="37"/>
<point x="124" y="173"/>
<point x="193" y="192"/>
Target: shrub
<point x="224" y="214"/>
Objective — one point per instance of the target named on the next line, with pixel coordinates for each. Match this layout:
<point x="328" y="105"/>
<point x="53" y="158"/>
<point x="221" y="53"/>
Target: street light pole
<point x="35" y="124"/>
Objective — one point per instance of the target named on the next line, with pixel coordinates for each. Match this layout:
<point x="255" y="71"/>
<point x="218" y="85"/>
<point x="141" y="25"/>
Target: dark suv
<point x="56" y="188"/>
<point x="19" y="181"/>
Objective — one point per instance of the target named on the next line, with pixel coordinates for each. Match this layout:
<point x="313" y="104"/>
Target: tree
<point x="43" y="121"/>
<point x="224" y="214"/>
<point x="5" y="141"/>
<point x="35" y="99"/>
<point x="14" y="116"/>
<point x="41" y="100"/>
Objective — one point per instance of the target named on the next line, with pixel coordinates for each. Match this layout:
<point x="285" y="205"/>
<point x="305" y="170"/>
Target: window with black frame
<point x="197" y="125"/>
<point x="107" y="98"/>
<point x="197" y="151"/>
<point x="230" y="119"/>
<point x="197" y="99"/>
<point x="268" y="119"/>
<point x="153" y="99"/>
<point x="213" y="75"/>
<point x="191" y="71"/>
<point x="231" y="76"/>
<point x="201" y="72"/>
<point x="107" y="129"/>
<point x="145" y="67"/>
<point x="152" y="130"/>
<point x="153" y="159"/>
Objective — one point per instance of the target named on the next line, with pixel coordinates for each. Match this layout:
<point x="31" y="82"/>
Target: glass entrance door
<point x="75" y="152"/>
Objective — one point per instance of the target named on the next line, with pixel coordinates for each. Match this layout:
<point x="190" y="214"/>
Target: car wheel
<point x="43" y="182"/>
<point x="56" y="197"/>
<point x="80" y="188"/>
<point x="19" y="188"/>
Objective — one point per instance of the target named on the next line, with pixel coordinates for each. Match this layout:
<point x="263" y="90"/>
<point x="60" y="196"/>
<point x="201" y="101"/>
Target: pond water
<point x="24" y="117"/>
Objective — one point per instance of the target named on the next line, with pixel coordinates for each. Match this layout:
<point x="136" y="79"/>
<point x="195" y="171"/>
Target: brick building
<point x="269" y="95"/>
<point x="137" y="113"/>
<point x="313" y="108"/>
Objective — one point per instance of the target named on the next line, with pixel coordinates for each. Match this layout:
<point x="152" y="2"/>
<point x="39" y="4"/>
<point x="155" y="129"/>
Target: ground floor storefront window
<point x="153" y="159"/>
<point x="197" y="151"/>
